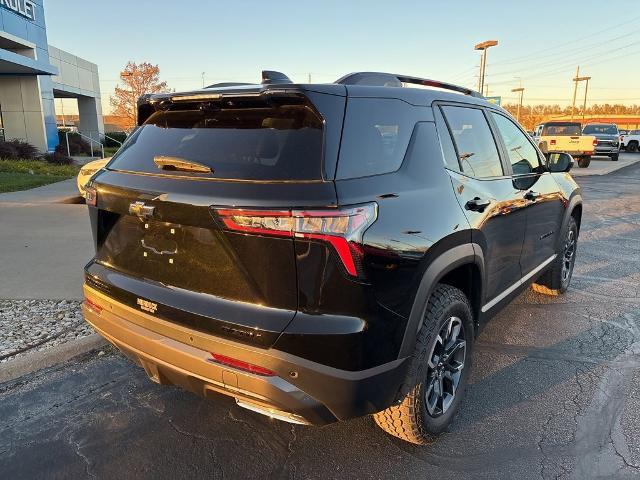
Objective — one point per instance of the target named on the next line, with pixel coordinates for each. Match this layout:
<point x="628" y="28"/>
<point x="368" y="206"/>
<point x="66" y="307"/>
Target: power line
<point x="560" y="46"/>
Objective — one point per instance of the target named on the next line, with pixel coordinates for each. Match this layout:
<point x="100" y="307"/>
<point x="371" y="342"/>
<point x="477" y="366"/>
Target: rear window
<point x="375" y="137"/>
<point x="281" y="142"/>
<point x="601" y="129"/>
<point x="562" y="130"/>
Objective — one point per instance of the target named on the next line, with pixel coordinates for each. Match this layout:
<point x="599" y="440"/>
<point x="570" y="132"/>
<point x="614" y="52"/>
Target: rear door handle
<point x="531" y="195"/>
<point x="477" y="204"/>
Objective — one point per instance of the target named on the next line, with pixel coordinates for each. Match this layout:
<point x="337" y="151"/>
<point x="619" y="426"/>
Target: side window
<point x="375" y="136"/>
<point x="522" y="155"/>
<point x="477" y="150"/>
<point x="448" y="150"/>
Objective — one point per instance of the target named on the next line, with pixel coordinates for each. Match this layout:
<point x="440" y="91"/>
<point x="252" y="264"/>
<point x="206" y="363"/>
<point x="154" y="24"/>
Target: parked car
<point x="87" y="171"/>
<point x="323" y="252"/>
<point x="565" y="137"/>
<point x="630" y="140"/>
<point x="608" y="139"/>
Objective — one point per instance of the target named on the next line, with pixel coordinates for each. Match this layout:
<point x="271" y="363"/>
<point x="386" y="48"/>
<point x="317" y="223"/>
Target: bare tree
<point x="138" y="79"/>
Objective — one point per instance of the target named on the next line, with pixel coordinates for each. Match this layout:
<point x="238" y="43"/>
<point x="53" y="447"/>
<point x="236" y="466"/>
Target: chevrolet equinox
<point x="320" y="252"/>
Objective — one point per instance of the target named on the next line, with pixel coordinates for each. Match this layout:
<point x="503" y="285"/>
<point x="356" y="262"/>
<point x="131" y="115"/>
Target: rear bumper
<point x="301" y="391"/>
<point x="606" y="150"/>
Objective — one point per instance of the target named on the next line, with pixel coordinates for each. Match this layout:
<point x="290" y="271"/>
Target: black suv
<point x="322" y="252"/>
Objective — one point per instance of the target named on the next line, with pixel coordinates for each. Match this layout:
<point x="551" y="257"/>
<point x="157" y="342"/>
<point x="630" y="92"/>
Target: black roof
<point x="359" y="84"/>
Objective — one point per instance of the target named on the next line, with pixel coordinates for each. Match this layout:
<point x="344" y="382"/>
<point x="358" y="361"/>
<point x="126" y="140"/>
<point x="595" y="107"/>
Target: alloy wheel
<point x="446" y="362"/>
<point x="569" y="256"/>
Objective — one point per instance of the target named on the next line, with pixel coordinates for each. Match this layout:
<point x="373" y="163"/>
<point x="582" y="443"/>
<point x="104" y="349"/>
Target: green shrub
<point x="24" y="150"/>
<point x="57" y="158"/>
<point x="8" y="151"/>
<point x="77" y="145"/>
<point x="119" y="136"/>
<point x="18" y="149"/>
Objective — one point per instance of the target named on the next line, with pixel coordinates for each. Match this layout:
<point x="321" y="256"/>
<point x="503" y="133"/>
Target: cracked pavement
<point x="555" y="393"/>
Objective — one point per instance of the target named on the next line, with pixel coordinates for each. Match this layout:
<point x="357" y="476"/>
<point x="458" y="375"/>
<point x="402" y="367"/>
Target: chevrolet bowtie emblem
<point x="140" y="210"/>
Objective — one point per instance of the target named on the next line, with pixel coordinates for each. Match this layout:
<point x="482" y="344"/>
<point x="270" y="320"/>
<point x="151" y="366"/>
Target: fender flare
<point x="574" y="201"/>
<point x="437" y="269"/>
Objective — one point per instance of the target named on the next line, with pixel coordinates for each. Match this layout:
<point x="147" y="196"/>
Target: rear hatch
<point x="163" y="242"/>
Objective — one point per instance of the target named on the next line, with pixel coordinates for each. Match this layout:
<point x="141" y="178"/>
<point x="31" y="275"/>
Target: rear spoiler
<point x="149" y="103"/>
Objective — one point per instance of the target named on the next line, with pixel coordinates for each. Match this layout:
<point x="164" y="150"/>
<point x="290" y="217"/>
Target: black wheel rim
<point x="446" y="363"/>
<point x="569" y="256"/>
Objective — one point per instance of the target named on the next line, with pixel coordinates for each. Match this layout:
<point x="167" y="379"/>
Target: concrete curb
<point x="612" y="168"/>
<point x="47" y="358"/>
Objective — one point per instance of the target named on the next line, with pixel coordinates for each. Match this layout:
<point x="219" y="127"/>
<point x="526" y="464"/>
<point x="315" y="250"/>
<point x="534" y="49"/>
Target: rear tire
<point x="614" y="158"/>
<point x="583" y="162"/>
<point x="438" y="372"/>
<point x="632" y="147"/>
<point x="557" y="278"/>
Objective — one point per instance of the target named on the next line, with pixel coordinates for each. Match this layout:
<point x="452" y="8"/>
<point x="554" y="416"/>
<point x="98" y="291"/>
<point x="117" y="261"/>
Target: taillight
<point x="595" y="142"/>
<point x="553" y="142"/>
<point x="341" y="228"/>
<point x="242" y="365"/>
<point x="93" y="306"/>
<point x="91" y="196"/>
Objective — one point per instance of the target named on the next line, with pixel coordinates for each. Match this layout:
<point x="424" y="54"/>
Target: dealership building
<point x="34" y="73"/>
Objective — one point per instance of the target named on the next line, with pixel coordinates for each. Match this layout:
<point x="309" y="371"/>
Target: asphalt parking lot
<point x="555" y="393"/>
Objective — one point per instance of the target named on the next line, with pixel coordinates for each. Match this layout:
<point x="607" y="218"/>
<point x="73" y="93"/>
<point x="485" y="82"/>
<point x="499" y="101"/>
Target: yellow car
<point x="87" y="171"/>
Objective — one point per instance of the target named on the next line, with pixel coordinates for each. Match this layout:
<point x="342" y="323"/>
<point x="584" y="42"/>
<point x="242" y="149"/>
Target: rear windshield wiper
<point x="181" y="164"/>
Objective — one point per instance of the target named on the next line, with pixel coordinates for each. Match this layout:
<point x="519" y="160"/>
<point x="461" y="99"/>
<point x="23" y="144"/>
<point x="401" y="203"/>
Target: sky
<point x="540" y="43"/>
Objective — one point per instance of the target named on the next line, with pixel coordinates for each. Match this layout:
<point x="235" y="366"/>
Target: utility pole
<point x="575" y="92"/>
<point x="586" y="89"/>
<point x="203" y="79"/>
<point x="576" y="80"/>
<point x="483" y="47"/>
<point x="309" y="77"/>
<point x="521" y="91"/>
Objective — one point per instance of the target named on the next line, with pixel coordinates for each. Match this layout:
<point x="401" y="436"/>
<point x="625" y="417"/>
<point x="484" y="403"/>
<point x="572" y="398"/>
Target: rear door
<point x="494" y="208"/>
<point x="164" y="233"/>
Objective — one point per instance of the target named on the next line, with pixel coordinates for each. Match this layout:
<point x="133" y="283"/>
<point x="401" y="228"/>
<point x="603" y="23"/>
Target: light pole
<point x="521" y="91"/>
<point x="483" y="47"/>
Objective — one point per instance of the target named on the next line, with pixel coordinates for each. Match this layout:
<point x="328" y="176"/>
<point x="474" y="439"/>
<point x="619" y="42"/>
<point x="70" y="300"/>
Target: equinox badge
<point x="146" y="305"/>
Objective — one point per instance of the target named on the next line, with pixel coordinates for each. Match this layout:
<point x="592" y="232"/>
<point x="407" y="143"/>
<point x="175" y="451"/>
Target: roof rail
<point x="270" y="77"/>
<point x="382" y="79"/>
<point x="227" y="84"/>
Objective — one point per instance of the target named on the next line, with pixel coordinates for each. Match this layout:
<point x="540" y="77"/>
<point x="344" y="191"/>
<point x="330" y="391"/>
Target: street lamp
<point x="484" y="46"/>
<point x="521" y="91"/>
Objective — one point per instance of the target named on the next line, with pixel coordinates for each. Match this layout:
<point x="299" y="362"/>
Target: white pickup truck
<point x="630" y="141"/>
<point x="565" y="137"/>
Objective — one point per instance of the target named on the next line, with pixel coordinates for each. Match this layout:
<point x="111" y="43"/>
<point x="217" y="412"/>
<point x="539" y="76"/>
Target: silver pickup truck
<point x="608" y="139"/>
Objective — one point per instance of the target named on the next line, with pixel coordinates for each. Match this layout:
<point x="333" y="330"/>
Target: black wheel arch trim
<point x="469" y="253"/>
<point x="574" y="201"/>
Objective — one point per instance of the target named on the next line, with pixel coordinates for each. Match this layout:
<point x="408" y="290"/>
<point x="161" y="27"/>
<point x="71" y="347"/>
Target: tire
<point x="422" y="413"/>
<point x="632" y="147"/>
<point x="614" y="158"/>
<point x="557" y="278"/>
<point x="583" y="162"/>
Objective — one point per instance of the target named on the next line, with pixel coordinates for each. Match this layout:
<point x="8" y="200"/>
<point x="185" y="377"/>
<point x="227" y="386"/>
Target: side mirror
<point x="559" y="162"/>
